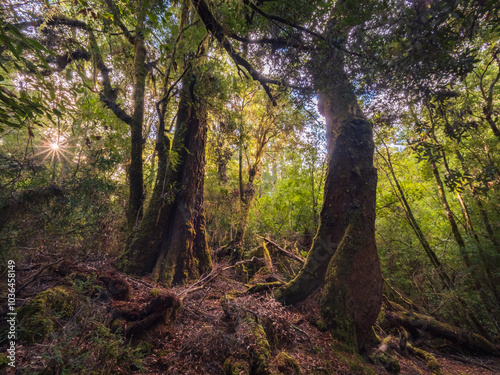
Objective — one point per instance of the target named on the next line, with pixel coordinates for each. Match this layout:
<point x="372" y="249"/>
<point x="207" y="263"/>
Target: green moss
<point x="385" y="360"/>
<point x="233" y="366"/>
<point x="38" y="317"/>
<point x="256" y="288"/>
<point x="321" y="325"/>
<point x="381" y="315"/>
<point x="287" y="364"/>
<point x="262" y="350"/>
<point x="143" y="349"/>
<point x="263" y="253"/>
<point x="432" y="362"/>
<point x="242" y="273"/>
<point x="4" y="361"/>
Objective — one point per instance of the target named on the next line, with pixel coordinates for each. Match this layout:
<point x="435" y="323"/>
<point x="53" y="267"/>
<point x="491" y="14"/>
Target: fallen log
<point x="396" y="316"/>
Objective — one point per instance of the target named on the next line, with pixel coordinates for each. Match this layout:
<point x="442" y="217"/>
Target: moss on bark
<point x="171" y="240"/>
<point x="343" y="257"/>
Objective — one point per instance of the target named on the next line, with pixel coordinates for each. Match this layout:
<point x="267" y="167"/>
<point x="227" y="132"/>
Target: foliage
<point x="65" y="148"/>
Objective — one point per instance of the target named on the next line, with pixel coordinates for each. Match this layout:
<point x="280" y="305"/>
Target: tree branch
<point x="118" y="22"/>
<point x="108" y="94"/>
<point x="54" y="21"/>
<point x="216" y="29"/>
<point x="279" y="19"/>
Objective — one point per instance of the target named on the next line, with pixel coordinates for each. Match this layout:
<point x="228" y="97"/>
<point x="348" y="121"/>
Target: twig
<point x="139" y="281"/>
<point x="38" y="274"/>
<point x="305" y="333"/>
<point x="216" y="272"/>
<point x="285" y="252"/>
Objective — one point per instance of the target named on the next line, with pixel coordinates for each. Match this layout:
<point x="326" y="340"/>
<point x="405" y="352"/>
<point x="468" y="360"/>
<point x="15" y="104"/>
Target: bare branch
<point x="216" y="29"/>
<point x="279" y="19"/>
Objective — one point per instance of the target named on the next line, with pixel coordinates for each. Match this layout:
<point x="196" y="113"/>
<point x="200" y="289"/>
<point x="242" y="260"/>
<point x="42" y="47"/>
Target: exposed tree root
<point x="137" y="319"/>
<point x="264" y="286"/>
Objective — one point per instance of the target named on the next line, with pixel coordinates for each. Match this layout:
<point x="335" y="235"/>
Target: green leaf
<point x="69" y="74"/>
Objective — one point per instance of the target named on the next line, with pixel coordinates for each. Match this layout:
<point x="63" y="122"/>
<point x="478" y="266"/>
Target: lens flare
<point x="55" y="149"/>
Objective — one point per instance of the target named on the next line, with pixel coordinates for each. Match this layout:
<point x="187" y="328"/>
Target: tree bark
<point x="343" y="257"/>
<point x="136" y="191"/>
<point x="171" y="239"/>
<point x="396" y="316"/>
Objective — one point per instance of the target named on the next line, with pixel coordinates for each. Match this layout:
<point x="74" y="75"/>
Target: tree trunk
<point x="170" y="241"/>
<point x="246" y="199"/>
<point x="136" y="188"/>
<point x="344" y="255"/>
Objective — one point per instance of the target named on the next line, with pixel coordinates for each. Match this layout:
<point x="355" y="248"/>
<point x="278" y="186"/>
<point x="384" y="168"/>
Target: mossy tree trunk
<point x="136" y="191"/>
<point x="171" y="240"/>
<point x="343" y="258"/>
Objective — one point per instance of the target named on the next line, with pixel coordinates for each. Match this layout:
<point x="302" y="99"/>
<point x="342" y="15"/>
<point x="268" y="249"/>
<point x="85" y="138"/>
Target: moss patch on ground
<point x="38" y="316"/>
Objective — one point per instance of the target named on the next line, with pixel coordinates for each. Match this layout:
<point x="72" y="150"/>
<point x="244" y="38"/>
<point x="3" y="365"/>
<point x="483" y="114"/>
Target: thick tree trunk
<point x="170" y="241"/>
<point x="343" y="257"/>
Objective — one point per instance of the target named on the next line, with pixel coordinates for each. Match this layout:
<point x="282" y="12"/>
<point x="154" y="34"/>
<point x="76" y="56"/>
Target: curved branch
<point x="108" y="94"/>
<point x="54" y="21"/>
<point x="282" y="20"/>
<point x="216" y="29"/>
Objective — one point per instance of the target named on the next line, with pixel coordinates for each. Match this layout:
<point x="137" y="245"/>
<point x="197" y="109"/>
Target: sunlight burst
<point x="55" y="149"/>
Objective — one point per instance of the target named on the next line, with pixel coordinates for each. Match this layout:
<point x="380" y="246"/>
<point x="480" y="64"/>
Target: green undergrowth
<point x="74" y="333"/>
<point x="39" y="317"/>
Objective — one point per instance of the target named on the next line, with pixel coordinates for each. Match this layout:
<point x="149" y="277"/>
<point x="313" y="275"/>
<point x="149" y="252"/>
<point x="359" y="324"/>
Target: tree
<point x="171" y="240"/>
<point x="343" y="257"/>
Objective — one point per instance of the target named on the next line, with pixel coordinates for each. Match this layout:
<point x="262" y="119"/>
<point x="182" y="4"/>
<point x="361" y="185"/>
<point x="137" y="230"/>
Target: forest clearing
<point x="256" y="187"/>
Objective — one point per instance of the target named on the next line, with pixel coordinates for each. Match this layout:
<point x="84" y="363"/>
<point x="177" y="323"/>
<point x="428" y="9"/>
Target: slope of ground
<point x="90" y="319"/>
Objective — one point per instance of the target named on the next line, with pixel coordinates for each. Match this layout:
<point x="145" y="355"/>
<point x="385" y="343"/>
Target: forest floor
<point x="88" y="318"/>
